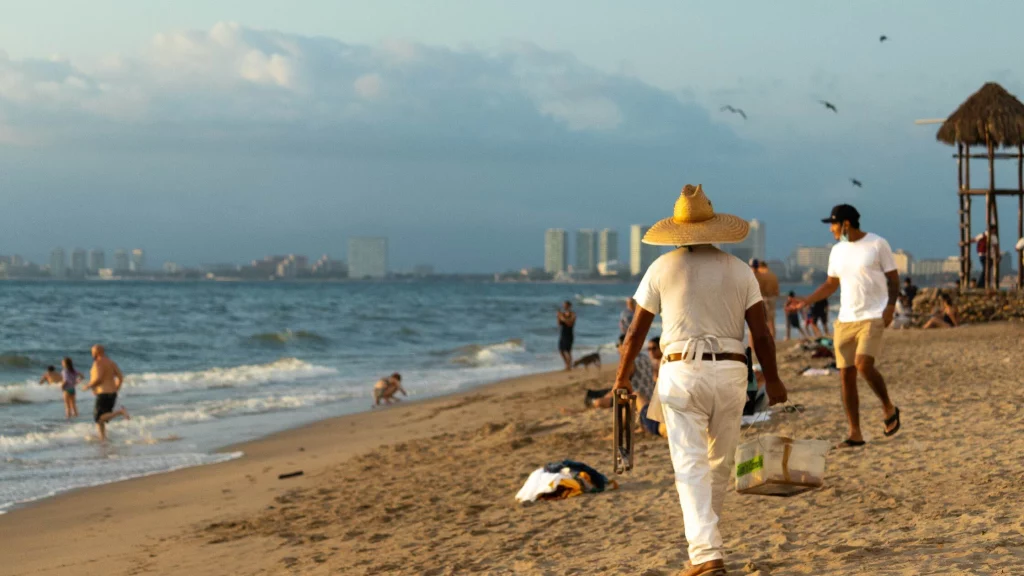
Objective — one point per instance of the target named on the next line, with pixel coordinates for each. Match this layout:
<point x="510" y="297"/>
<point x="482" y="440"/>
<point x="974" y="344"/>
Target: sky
<point x="221" y="131"/>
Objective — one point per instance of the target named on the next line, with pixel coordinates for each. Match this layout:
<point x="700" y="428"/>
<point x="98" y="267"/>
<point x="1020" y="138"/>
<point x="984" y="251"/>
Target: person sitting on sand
<point x="626" y="317"/>
<point x="945" y="314"/>
<point x="386" y="388"/>
<point x="654" y="351"/>
<point x="904" y="314"/>
<point x="642" y="381"/>
<point x="105" y="382"/>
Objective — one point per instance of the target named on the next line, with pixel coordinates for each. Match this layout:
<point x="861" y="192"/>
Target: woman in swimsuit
<point x="945" y="314"/>
<point x="71" y="379"/>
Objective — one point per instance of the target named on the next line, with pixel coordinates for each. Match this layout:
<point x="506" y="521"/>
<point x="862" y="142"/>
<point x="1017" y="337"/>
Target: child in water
<point x="386" y="388"/>
<point x="71" y="379"/>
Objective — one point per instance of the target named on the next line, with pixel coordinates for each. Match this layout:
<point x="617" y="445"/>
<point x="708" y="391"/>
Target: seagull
<point x="734" y="111"/>
<point x="829" y="105"/>
<point x="856" y="183"/>
<point x="883" y="38"/>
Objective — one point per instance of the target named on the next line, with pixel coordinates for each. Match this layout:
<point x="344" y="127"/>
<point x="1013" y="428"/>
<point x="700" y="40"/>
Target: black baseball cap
<point x="842" y="213"/>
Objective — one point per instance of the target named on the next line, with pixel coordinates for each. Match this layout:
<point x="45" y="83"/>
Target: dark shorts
<point x="649" y="426"/>
<point x="565" y="343"/>
<point x="794" y="320"/>
<point x="104" y="405"/>
<point x="818" y="316"/>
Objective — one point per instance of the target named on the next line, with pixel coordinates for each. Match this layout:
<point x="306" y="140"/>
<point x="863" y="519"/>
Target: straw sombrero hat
<point x="694" y="222"/>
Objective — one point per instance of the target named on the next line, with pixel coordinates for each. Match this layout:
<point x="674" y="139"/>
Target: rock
<point x="973" y="307"/>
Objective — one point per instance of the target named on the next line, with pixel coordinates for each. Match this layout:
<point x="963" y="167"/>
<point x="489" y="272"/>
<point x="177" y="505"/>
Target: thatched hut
<point x="991" y="118"/>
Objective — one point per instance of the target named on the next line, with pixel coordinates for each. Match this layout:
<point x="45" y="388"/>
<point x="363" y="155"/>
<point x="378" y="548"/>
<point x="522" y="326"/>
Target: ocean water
<point x="214" y="364"/>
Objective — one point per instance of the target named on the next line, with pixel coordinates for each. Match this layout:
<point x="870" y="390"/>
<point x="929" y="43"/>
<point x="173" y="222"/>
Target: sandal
<point x="889" y="421"/>
<point x="851" y="443"/>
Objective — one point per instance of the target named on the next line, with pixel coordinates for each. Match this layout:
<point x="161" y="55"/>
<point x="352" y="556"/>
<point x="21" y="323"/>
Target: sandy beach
<point x="427" y="487"/>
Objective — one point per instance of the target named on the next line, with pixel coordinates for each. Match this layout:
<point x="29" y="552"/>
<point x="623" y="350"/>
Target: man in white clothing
<point x="863" y="266"/>
<point x="704" y="297"/>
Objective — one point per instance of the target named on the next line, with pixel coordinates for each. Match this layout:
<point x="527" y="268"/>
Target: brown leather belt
<point x="731" y="356"/>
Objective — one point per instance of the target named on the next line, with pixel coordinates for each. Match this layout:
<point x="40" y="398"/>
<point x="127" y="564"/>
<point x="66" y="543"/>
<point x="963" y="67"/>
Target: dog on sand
<point x="593" y="359"/>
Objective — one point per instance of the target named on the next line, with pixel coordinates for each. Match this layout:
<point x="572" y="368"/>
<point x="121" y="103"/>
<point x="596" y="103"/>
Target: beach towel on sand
<point x="565" y="479"/>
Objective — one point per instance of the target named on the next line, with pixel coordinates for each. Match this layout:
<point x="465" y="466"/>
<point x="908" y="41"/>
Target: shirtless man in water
<point x="105" y="382"/>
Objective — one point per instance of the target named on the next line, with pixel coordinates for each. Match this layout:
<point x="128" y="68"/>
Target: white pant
<point x="703" y="407"/>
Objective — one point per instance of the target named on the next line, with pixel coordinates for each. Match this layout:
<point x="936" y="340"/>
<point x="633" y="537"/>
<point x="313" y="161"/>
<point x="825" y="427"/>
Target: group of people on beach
<point x="707" y="300"/>
<point x="105" y="382"/>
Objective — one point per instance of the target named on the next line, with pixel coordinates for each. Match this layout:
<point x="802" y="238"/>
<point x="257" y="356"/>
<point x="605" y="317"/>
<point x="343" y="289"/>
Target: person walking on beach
<point x="69" y="381"/>
<point x="769" y="284"/>
<point x="626" y="318"/>
<point x="862" y="265"/>
<point x="704" y="297"/>
<point x="105" y="382"/>
<point x="817" y="318"/>
<point x="566" y="323"/>
<point x="386" y="388"/>
<point x="792" y="309"/>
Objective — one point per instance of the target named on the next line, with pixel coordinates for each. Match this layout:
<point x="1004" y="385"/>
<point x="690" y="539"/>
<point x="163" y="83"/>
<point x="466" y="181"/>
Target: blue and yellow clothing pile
<point x="565" y="479"/>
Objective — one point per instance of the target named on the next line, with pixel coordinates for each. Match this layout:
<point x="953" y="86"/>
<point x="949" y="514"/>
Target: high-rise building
<point x="950" y="265"/>
<point x="367" y="258"/>
<point x="171" y="268"/>
<point x="641" y="255"/>
<point x="586" y="251"/>
<point x="121" y="261"/>
<point x="904" y="262"/>
<point x="97" y="260"/>
<point x="607" y="246"/>
<point x="756" y="239"/>
<point x="556" y="250"/>
<point x="58" y="263"/>
<point x="752" y="246"/>
<point x="79" y="263"/>
<point x="811" y="257"/>
<point x="138" y="262"/>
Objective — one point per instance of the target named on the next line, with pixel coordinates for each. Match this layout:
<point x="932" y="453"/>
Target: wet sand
<point x="427" y="487"/>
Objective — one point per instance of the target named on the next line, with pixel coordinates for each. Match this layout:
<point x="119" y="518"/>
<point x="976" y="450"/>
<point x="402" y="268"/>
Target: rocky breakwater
<point x="973" y="307"/>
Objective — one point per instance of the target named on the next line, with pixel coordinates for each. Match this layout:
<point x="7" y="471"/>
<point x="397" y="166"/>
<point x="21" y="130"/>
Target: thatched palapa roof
<point x="990" y="114"/>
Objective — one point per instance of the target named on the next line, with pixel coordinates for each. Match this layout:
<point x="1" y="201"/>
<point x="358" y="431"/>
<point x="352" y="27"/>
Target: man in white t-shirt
<point x="705" y="297"/>
<point x="862" y="266"/>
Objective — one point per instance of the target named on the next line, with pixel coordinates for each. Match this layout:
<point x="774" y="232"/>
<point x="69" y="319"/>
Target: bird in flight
<point x="734" y="111"/>
<point x="856" y="183"/>
<point x="829" y="105"/>
<point x="883" y="38"/>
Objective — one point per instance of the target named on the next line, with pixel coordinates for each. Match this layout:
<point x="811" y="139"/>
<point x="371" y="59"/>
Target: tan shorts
<point x="854" y="339"/>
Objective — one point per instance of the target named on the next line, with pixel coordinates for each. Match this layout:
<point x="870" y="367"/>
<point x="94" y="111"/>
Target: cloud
<point x="232" y="142"/>
<point x="247" y="82"/>
<point x="368" y="86"/>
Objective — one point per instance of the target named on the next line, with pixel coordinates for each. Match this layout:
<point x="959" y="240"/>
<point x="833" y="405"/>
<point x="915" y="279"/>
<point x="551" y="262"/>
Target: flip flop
<point x="894" y="418"/>
<point x="851" y="443"/>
